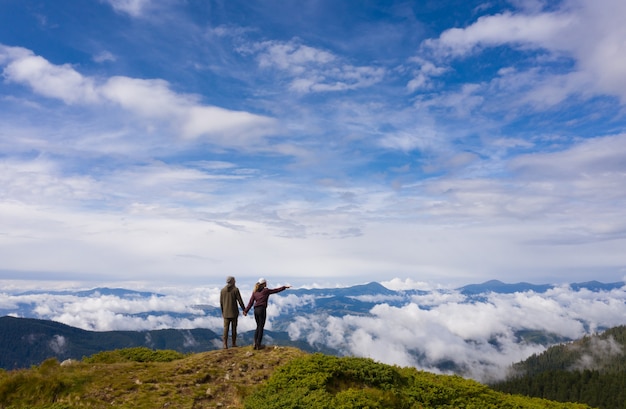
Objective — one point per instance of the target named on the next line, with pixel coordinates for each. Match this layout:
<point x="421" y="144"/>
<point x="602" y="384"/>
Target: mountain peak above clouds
<point x="372" y="288"/>
<point x="499" y="287"/>
<point x="597" y="286"/>
<point x="98" y="291"/>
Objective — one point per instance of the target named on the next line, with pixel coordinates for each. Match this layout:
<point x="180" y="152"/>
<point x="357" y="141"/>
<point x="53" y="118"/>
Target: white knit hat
<point x="261" y="281"/>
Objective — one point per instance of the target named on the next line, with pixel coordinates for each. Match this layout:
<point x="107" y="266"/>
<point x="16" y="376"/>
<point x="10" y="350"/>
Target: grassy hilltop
<point x="275" y="377"/>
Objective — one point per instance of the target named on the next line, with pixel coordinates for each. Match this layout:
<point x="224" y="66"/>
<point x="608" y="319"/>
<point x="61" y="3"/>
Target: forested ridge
<point x="26" y="341"/>
<point x="591" y="370"/>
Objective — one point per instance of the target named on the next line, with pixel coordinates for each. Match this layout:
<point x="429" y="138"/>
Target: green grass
<point x="276" y="377"/>
<point x="327" y="382"/>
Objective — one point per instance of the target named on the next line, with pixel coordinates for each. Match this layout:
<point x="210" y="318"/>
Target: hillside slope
<point x="26" y="341"/>
<point x="590" y="370"/>
<point x="275" y="377"/>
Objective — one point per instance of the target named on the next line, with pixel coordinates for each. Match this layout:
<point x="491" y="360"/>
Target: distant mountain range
<point x="117" y="292"/>
<point x="503" y="288"/>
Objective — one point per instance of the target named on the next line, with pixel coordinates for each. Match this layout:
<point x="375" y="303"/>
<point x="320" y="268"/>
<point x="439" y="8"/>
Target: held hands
<point x="245" y="313"/>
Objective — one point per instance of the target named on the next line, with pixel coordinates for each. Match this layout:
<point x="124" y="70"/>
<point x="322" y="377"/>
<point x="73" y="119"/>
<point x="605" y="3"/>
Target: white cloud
<point x="175" y="219"/>
<point x="108" y="312"/>
<point x="423" y="139"/>
<point x="500" y="29"/>
<point x="134" y="8"/>
<point x="30" y="181"/>
<point x="54" y="81"/>
<point x="149" y="98"/>
<point x="227" y="127"/>
<point x="599" y="158"/>
<point x="422" y="76"/>
<point x="480" y="337"/>
<point x="398" y="284"/>
<point x="600" y="351"/>
<point x="312" y="69"/>
<point x="152" y="100"/>
<point x="57" y="344"/>
<point x="291" y="56"/>
<point x="104" y="56"/>
<point x="591" y="34"/>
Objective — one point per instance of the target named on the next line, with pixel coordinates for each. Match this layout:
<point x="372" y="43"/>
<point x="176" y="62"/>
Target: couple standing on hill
<point x="230" y="297"/>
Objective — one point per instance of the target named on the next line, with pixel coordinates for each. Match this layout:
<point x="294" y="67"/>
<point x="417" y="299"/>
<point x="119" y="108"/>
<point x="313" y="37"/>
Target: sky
<point x="175" y="142"/>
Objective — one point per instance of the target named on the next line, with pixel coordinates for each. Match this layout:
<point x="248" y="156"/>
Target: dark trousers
<point x="230" y="322"/>
<point x="259" y="316"/>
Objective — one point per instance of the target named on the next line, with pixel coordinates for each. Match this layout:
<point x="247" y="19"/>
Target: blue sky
<point x="331" y="142"/>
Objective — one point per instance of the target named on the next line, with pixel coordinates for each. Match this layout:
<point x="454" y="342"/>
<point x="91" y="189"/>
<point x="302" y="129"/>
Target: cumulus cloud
<point x="151" y="100"/>
<point x="489" y="31"/>
<point x="53" y="81"/>
<point x="589" y="34"/>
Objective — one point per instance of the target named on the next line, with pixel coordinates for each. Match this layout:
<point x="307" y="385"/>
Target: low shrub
<point x="138" y="354"/>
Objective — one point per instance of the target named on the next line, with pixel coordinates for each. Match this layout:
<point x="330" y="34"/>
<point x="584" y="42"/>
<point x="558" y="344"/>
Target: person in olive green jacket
<point x="229" y="298"/>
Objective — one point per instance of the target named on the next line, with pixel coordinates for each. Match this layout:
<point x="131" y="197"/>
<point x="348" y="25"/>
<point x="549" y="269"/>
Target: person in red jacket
<point x="259" y="298"/>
